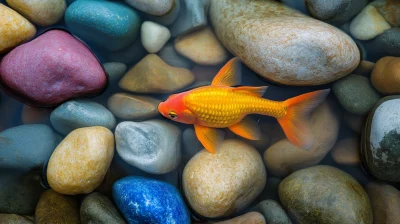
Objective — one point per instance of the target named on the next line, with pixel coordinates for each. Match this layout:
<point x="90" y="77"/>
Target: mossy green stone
<point x="97" y="208"/>
<point x="325" y="195"/>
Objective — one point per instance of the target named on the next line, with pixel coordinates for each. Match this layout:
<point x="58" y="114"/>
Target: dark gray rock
<point x="386" y="44"/>
<point x="115" y="70"/>
<point x="296" y="4"/>
<point x="171" y="57"/>
<point x="128" y="55"/>
<point x="191" y="144"/>
<point x="97" y="208"/>
<point x="336" y="12"/>
<point x="272" y="212"/>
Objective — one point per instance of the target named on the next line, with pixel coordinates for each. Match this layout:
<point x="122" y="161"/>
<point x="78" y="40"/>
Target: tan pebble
<point x="346" y="151"/>
<point x="126" y="106"/>
<point x="389" y="9"/>
<point x="364" y="68"/>
<point x="385" y="201"/>
<point x="248" y="218"/>
<point x="385" y="76"/>
<point x="80" y="162"/>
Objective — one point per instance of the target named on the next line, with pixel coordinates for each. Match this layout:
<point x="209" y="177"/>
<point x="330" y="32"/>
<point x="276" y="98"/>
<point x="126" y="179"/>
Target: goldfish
<point x="221" y="105"/>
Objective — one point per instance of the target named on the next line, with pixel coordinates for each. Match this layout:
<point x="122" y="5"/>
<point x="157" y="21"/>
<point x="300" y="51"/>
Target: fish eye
<point x="172" y="115"/>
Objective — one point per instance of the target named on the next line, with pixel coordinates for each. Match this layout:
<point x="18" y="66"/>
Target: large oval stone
<point x="282" y="44"/>
<point x="51" y="69"/>
<point x="324" y="194"/>
<point x="380" y="146"/>
<point x="385" y="200"/>
<point x="220" y="184"/>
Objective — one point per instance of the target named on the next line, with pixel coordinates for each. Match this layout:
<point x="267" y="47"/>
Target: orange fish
<point x="222" y="106"/>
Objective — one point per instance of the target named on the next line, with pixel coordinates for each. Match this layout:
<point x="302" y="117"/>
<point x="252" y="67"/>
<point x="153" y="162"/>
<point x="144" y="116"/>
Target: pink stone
<point x="51" y="69"/>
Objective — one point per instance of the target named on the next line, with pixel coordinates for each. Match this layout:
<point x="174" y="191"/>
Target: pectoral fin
<point x="247" y="128"/>
<point x="251" y="90"/>
<point x="229" y="75"/>
<point x="211" y="138"/>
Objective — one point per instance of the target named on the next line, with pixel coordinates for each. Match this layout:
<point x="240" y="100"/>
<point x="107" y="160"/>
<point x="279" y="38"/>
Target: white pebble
<point x="154" y="36"/>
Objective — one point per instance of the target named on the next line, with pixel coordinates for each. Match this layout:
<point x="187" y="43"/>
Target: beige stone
<point x="364" y="68"/>
<point x="40" y="12"/>
<point x="281" y="44"/>
<point x="386" y="75"/>
<point x="368" y="24"/>
<point x="346" y="151"/>
<point x="202" y="47"/>
<point x="80" y="162"/>
<point x="248" y="218"/>
<point x="153" y="75"/>
<point x="283" y="158"/>
<point x="126" y="106"/>
<point x="385" y="200"/>
<point x="153" y="7"/>
<point x="221" y="184"/>
<point x="14" y="29"/>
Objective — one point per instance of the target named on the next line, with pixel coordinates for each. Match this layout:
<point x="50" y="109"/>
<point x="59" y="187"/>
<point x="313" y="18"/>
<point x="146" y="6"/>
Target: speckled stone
<point x="14" y="219"/>
<point x="389" y="9"/>
<point x="336" y="12"/>
<point x="80" y="162"/>
<point x="221" y="184"/>
<point x="57" y="67"/>
<point x="192" y="16"/>
<point x="42" y="13"/>
<point x="368" y="24"/>
<point x="272" y="212"/>
<point x="324" y="194"/>
<point x="143" y="200"/>
<point x="283" y="158"/>
<point x="115" y="70"/>
<point x="155" y="7"/>
<point x="133" y="107"/>
<point x="346" y="152"/>
<point x="386" y="75"/>
<point x="154" y="36"/>
<point x="57" y="208"/>
<point x="97" y="208"/>
<point x="153" y="146"/>
<point x="385" y="200"/>
<point x="153" y="75"/>
<point x="248" y="218"/>
<point x="169" y="55"/>
<point x="380" y="146"/>
<point x="81" y="113"/>
<point x="272" y="39"/>
<point x="109" y="25"/>
<point x="14" y="30"/>
<point x="202" y="47"/>
<point x="356" y="94"/>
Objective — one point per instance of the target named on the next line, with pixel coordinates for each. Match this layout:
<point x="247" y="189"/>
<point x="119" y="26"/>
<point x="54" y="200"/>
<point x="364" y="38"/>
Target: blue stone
<point x="81" y="113"/>
<point x="143" y="200"/>
<point x="109" y="25"/>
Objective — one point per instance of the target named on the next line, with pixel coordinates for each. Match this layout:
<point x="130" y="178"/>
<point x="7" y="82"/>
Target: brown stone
<point x="346" y="151"/>
<point x="126" y="106"/>
<point x="385" y="200"/>
<point x="385" y="76"/>
<point x="389" y="9"/>
<point x="248" y="218"/>
<point x="364" y="68"/>
<point x="14" y="219"/>
<point x="57" y="208"/>
<point x="153" y="75"/>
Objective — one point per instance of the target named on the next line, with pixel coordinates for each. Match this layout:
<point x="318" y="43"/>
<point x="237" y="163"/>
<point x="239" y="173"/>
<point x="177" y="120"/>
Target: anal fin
<point x="210" y="138"/>
<point x="247" y="128"/>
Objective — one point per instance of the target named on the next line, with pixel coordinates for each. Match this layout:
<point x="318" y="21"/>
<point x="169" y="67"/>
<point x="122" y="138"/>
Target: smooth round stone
<point x="14" y="219"/>
<point x="97" y="208"/>
<point x="389" y="9"/>
<point x="221" y="184"/>
<point x="57" y="67"/>
<point x="26" y="147"/>
<point x="154" y="36"/>
<point x="131" y="54"/>
<point x="336" y="12"/>
<point x="364" y="68"/>
<point x="283" y="158"/>
<point x="272" y="39"/>
<point x="155" y="7"/>
<point x="356" y="94"/>
<point x="192" y="16"/>
<point x="355" y="122"/>
<point x="81" y="113"/>
<point x="169" y="55"/>
<point x="387" y="43"/>
<point x="385" y="200"/>
<point x="133" y="107"/>
<point x="380" y="146"/>
<point x="202" y="47"/>
<point x="324" y="194"/>
<point x="345" y="152"/>
<point x="168" y="18"/>
<point x="80" y="162"/>
<point x="191" y="145"/>
<point x="115" y="70"/>
<point x="34" y="115"/>
<point x="153" y="75"/>
<point x="272" y="212"/>
<point x="386" y="75"/>
<point x="109" y="25"/>
<point x="153" y="146"/>
<point x="14" y="30"/>
<point x="57" y="208"/>
<point x="368" y="24"/>
<point x="42" y="13"/>
<point x="143" y="200"/>
<point x="250" y="218"/>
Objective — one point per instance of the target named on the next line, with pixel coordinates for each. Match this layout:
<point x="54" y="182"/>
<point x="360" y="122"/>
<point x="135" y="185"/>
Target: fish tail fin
<point x="295" y="123"/>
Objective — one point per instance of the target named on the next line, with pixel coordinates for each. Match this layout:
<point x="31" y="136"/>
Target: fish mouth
<point x="161" y="108"/>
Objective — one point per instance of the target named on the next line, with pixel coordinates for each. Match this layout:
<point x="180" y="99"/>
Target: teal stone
<point x="81" y="113"/>
<point x="109" y="25"/>
<point x="272" y="212"/>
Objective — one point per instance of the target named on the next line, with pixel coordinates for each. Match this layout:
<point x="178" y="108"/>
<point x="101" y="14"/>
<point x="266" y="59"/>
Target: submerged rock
<point x="97" y="208"/>
<point x="273" y="212"/>
<point x="385" y="200"/>
<point x="248" y="218"/>
<point x="281" y="44"/>
<point x="157" y="7"/>
<point x="135" y="107"/>
<point x="386" y="75"/>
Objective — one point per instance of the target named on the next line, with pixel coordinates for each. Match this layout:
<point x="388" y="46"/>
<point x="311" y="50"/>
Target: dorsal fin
<point x="251" y="90"/>
<point x="229" y="75"/>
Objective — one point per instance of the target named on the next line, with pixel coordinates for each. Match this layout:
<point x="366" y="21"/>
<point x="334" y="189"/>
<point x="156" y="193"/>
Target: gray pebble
<point x="171" y="57"/>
